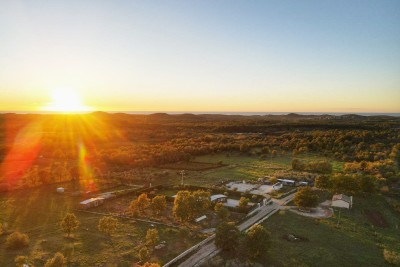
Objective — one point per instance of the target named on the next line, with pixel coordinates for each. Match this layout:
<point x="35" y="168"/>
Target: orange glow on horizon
<point x="66" y="100"/>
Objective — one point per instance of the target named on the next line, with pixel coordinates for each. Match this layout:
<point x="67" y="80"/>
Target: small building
<point x="201" y="218"/>
<point x="218" y="198"/>
<point x="287" y="182"/>
<point x="107" y="195"/>
<point x="60" y="190"/>
<point x="342" y="201"/>
<point x="277" y="186"/>
<point x="91" y="202"/>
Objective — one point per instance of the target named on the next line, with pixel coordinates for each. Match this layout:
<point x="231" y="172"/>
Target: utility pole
<point x="338" y="218"/>
<point x="182" y="173"/>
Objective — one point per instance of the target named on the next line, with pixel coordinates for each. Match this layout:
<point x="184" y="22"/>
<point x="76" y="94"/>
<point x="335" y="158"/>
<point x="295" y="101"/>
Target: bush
<point x="57" y="261"/>
<point x="17" y="240"/>
<point x="391" y="257"/>
<point x="20" y="261"/>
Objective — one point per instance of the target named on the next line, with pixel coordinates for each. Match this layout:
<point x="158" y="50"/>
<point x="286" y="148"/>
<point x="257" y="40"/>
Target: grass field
<point x="38" y="212"/>
<point x="355" y="243"/>
<point x="245" y="167"/>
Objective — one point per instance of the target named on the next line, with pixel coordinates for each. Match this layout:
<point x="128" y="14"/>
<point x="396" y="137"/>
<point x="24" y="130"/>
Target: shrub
<point x="20" y="261"/>
<point x="57" y="261"/>
<point x="391" y="257"/>
<point x="17" y="240"/>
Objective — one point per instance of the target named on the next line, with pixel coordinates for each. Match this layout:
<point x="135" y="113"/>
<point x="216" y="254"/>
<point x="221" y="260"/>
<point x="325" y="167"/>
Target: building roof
<point x="341" y="197"/>
<point x="215" y="197"/>
<point x="286" y="180"/>
<point x="87" y="201"/>
<point x="200" y="218"/>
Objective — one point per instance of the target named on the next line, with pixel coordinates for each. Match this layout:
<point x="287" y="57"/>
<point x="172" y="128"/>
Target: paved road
<point x="211" y="250"/>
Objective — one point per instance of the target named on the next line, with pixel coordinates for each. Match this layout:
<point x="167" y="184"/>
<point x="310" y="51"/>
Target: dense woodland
<point x="41" y="149"/>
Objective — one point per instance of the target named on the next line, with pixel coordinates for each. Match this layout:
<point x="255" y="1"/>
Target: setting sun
<point x="66" y="100"/>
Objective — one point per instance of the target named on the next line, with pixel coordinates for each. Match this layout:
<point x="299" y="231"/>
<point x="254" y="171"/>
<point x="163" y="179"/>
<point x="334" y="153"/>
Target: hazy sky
<point x="321" y="56"/>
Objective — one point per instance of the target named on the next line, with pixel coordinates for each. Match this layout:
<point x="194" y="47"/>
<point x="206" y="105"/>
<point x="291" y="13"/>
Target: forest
<point x="37" y="149"/>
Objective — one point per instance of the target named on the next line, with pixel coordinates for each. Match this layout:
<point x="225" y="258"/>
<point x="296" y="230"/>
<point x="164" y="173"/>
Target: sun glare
<point x="66" y="100"/>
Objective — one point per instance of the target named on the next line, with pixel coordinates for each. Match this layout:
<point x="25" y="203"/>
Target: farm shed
<point x="91" y="202"/>
<point x="342" y="201"/>
<point x="277" y="186"/>
<point x="218" y="198"/>
<point x="60" y="190"/>
<point x="287" y="182"/>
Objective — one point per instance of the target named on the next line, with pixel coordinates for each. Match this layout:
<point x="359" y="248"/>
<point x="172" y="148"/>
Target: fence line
<point x="190" y="250"/>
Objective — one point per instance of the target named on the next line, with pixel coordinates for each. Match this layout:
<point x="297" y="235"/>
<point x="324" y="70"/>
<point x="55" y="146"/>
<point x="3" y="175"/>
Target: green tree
<point x="323" y="182"/>
<point x="108" y="225"/>
<point x="69" y="223"/>
<point x="152" y="237"/>
<point x="201" y="202"/>
<point x="367" y="183"/>
<point x="345" y="184"/>
<point x="306" y="198"/>
<point x="221" y="211"/>
<point x="227" y="237"/>
<point x="158" y="204"/>
<point x="57" y="261"/>
<point x="257" y="241"/>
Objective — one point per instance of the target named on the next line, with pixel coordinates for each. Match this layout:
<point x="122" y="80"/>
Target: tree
<point x="57" y="261"/>
<point x="108" y="225"/>
<point x="182" y="208"/>
<point x="323" y="182"/>
<point x="152" y="237"/>
<point x="227" y="236"/>
<point x="201" y="203"/>
<point x="306" y="198"/>
<point x="144" y="253"/>
<point x="297" y="165"/>
<point x="221" y="211"/>
<point x="20" y="261"/>
<point x="243" y="202"/>
<point x="158" y="204"/>
<point x="345" y="184"/>
<point x="257" y="241"/>
<point x="367" y="183"/>
<point x="17" y="240"/>
<point x="143" y="202"/>
<point x="149" y="264"/>
<point x="69" y="223"/>
<point x="133" y="208"/>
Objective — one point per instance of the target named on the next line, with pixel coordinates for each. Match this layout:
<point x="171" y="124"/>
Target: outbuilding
<point x="218" y="198"/>
<point x="60" y="190"/>
<point x="91" y="202"/>
<point x="287" y="182"/>
<point x="342" y="201"/>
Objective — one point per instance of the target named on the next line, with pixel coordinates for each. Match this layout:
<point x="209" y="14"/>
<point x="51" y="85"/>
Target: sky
<point x="220" y="55"/>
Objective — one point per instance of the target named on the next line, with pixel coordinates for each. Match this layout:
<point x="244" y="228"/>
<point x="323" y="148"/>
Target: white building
<point x="60" y="190"/>
<point x="91" y="202"/>
<point x="277" y="186"/>
<point x="287" y="182"/>
<point x="218" y="198"/>
<point x="342" y="201"/>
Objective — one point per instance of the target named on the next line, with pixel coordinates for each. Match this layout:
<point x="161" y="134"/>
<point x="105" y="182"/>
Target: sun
<point x="66" y="100"/>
